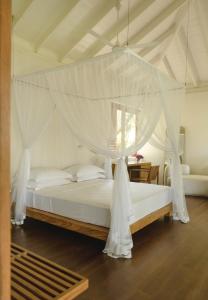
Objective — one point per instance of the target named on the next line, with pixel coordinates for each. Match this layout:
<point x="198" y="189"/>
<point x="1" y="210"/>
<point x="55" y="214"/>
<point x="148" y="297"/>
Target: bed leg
<point x="168" y="217"/>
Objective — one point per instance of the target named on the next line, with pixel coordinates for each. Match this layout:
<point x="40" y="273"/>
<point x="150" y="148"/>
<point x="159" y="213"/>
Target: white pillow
<point x="46" y="183"/>
<point x="84" y="170"/>
<point x="185" y="169"/>
<point x="90" y="177"/>
<point x="42" y="174"/>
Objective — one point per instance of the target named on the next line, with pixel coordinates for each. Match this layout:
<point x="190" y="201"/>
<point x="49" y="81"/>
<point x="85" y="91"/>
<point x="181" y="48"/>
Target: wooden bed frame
<point x="98" y="232"/>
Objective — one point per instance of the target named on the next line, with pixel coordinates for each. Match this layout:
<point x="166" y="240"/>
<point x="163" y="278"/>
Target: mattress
<point x="90" y="201"/>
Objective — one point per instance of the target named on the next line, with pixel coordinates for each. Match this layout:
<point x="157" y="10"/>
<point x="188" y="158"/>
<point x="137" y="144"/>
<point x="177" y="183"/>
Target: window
<point x="128" y="133"/>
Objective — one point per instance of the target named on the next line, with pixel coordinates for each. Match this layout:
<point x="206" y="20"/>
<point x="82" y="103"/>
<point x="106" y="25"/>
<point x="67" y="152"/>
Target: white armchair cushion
<point x="185" y="169"/>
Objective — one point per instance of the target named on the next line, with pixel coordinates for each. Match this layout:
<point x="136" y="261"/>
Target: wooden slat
<point x="34" y="280"/>
<point x="5" y="58"/>
<point x="31" y="287"/>
<point x="75" y="291"/>
<point x="56" y="266"/>
<point x="17" y="296"/>
<point x="24" y="292"/>
<point x="51" y="269"/>
<point x="38" y="272"/>
<point x="34" y="277"/>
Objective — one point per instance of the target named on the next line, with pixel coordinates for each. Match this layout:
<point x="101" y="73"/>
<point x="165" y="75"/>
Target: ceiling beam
<point x="118" y="27"/>
<point x="55" y="23"/>
<point x="190" y="60"/>
<point x="87" y="24"/>
<point x="101" y="38"/>
<point x="22" y="46"/>
<point x="156" y="21"/>
<point x="18" y="16"/>
<point x="203" y="23"/>
<point x="168" y="67"/>
<point x="160" y="39"/>
<point x="177" y="25"/>
<point x="202" y="87"/>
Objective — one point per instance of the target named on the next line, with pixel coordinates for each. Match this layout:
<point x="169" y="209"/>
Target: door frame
<point x="5" y="81"/>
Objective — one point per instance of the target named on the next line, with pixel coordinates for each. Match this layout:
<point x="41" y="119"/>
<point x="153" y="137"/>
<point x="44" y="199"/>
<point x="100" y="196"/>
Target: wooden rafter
<point x="87" y="24"/>
<point x="156" y="21"/>
<point x="192" y="68"/>
<point x="203" y="23"/>
<point x="50" y="29"/>
<point x="177" y="25"/>
<point x="101" y="38"/>
<point x="21" y="12"/>
<point x="164" y="36"/>
<point x="168" y="67"/>
<point x="201" y="88"/>
<point x="111" y="33"/>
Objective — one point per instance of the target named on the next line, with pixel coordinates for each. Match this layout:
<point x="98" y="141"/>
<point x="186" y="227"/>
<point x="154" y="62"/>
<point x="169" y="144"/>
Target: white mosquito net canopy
<point x="97" y="98"/>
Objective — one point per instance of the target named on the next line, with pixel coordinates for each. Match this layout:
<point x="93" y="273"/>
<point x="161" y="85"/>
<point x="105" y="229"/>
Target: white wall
<point x="195" y="121"/>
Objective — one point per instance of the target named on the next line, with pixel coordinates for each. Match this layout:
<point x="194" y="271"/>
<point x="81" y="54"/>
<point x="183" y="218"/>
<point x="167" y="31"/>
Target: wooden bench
<point x="36" y="278"/>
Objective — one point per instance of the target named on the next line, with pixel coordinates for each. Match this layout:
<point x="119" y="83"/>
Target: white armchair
<point x="195" y="185"/>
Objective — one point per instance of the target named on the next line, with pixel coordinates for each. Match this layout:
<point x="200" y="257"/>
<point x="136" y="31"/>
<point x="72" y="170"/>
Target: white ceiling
<point x="68" y="30"/>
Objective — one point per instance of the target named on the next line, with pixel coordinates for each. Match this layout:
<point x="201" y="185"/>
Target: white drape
<point x="88" y="95"/>
<point x="119" y="242"/>
<point x="166" y="138"/>
<point x="33" y="108"/>
<point x="172" y="109"/>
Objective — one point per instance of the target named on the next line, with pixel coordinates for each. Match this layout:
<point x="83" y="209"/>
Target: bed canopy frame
<point x="86" y="94"/>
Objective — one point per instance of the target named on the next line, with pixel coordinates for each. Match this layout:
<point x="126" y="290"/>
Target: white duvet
<point x="90" y="201"/>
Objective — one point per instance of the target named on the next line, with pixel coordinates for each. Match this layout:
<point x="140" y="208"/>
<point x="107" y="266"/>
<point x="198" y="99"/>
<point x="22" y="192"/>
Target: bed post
<point x="5" y="58"/>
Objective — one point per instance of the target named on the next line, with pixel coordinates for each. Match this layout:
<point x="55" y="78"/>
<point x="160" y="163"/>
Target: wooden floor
<point x="170" y="260"/>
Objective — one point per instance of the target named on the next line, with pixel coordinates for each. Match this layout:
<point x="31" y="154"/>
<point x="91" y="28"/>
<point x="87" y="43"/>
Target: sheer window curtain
<point x="34" y="109"/>
<point x="166" y="138"/>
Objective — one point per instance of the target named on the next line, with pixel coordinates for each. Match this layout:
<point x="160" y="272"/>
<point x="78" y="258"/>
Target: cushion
<point x="185" y="169"/>
<point x="83" y="170"/>
<point x="43" y="174"/>
<point x="32" y="184"/>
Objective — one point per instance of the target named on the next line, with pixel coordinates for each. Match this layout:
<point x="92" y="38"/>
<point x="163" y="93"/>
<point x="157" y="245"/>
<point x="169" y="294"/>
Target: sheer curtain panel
<point x="34" y="108"/>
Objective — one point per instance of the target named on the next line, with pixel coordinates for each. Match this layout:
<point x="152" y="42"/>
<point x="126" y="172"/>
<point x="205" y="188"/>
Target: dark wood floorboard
<point x="170" y="260"/>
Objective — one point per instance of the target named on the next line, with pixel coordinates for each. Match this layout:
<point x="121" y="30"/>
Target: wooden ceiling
<point x="63" y="31"/>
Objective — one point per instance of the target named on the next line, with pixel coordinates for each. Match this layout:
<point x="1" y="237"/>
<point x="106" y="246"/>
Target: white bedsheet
<point x="90" y="201"/>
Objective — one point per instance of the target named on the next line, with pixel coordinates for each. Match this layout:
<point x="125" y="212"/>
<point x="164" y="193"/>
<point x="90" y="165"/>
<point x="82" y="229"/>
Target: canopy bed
<point x="86" y="95"/>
